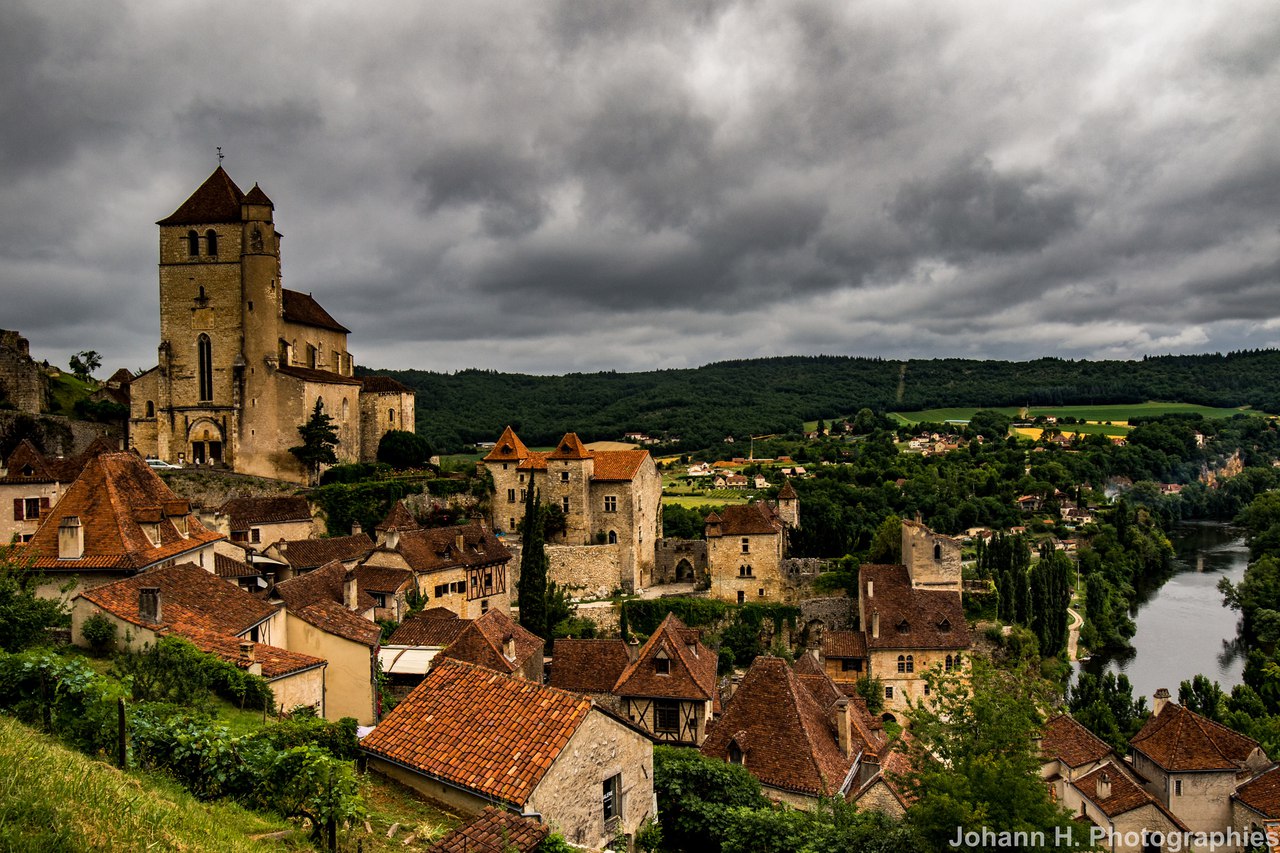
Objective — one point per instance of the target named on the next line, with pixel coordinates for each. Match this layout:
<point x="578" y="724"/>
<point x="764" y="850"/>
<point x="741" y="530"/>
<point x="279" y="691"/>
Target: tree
<point x="24" y="617"/>
<point x="886" y="545"/>
<point x="84" y="363"/>
<point x="531" y="595"/>
<point x="319" y="438"/>
<point x="695" y="794"/>
<point x="402" y="450"/>
<point x="974" y="759"/>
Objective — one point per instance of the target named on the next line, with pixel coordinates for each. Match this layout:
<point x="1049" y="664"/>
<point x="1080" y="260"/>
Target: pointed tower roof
<point x="257" y="196"/>
<point x="399" y="519"/>
<point x="217" y="200"/>
<point x="570" y="447"/>
<point x="508" y="449"/>
<point x="787" y="493"/>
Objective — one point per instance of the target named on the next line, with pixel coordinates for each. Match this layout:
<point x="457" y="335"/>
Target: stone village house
<point x="31" y="483"/>
<point x="745" y="548"/>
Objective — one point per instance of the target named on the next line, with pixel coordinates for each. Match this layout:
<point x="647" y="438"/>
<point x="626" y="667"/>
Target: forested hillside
<point x="703" y="405"/>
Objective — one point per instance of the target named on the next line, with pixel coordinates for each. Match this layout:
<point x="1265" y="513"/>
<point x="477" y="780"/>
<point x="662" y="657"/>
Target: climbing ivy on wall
<point x="366" y="503"/>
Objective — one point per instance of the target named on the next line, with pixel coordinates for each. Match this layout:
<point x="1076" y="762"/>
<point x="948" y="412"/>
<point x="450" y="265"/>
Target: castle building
<point x="746" y="546"/>
<point x="243" y="360"/>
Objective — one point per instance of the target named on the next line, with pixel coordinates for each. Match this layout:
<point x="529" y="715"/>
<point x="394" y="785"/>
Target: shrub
<point x="403" y="450"/>
<point x="100" y="632"/>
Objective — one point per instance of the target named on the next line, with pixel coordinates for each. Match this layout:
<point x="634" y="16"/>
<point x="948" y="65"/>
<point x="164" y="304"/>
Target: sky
<point x="552" y="187"/>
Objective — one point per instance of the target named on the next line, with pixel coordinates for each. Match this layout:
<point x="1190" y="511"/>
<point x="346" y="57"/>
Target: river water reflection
<point x="1183" y="628"/>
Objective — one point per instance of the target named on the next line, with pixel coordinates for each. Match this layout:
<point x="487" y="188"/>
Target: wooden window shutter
<point x="17" y="510"/>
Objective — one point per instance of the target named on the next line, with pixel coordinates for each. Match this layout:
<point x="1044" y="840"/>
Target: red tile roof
<point x="436" y="627"/>
<point x="189" y="595"/>
<point x="588" y="666"/>
<point x="910" y="618"/>
<point x="216" y="201"/>
<point x="50" y="469"/>
<point x="483" y="642"/>
<point x="399" y="518"/>
<point x="245" y="512"/>
<point x="509" y="448"/>
<point x="109" y="497"/>
<point x="303" y="554"/>
<point x="570" y="447"/>
<point x="324" y="584"/>
<point x="1261" y="793"/>
<point x="480" y="730"/>
<point x="617" y="465"/>
<point x="335" y="619"/>
<point x="257" y="196"/>
<point x="494" y="831"/>
<point x="1179" y="739"/>
<point x="229" y="567"/>
<point x="301" y="308"/>
<point x="756" y="519"/>
<point x="607" y="465"/>
<point x="386" y="579"/>
<point x="276" y="662"/>
<point x="436" y="548"/>
<point x="1071" y="743"/>
<point x="692" y="668"/>
<point x="786" y="739"/>
<point x="787" y="492"/>
<point x="1125" y="796"/>
<point x="844" y="644"/>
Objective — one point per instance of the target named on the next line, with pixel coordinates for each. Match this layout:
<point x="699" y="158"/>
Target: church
<point x="242" y="359"/>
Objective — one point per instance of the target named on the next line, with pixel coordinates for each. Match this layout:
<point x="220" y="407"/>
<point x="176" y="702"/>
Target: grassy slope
<point x="53" y="798"/>
<point x="66" y="390"/>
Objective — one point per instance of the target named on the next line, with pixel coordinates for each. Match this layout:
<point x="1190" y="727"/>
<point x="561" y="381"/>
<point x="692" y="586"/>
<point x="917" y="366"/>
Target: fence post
<point x="46" y="717"/>
<point x="122" y="744"/>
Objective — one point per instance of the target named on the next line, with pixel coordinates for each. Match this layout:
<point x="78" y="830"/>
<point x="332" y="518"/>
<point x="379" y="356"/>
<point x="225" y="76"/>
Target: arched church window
<point x="613" y="537"/>
<point x="193" y="243"/>
<point x="391" y="416"/>
<point x="937" y="550"/>
<point x="204" y="357"/>
<point x="911" y="663"/>
<point x="902" y="663"/>
<point x="151" y="409"/>
<point x="211" y="237"/>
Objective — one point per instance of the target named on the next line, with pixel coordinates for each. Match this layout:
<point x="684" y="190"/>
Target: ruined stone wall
<point x="670" y="553"/>
<point x="58" y="435"/>
<point x="589" y="571"/>
<point x="819" y="615"/>
<point x="932" y="560"/>
<point x="23" y="384"/>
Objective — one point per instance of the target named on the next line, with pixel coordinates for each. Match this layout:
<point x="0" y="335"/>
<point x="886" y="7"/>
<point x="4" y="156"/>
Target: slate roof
<point x="588" y="666"/>
<point x="480" y="730"/>
<point x="1261" y="793"/>
<point x="257" y="196"/>
<point x="483" y="642"/>
<point x="911" y="618"/>
<point x="303" y="309"/>
<point x="324" y="584"/>
<point x="692" y="671"/>
<point x="1126" y="795"/>
<point x="245" y="512"/>
<point x="303" y="554"/>
<point x="399" y="518"/>
<point x="786" y="739"/>
<point x="435" y="627"/>
<point x="845" y="644"/>
<point x="1071" y="743"/>
<point x="1178" y="739"/>
<point x="217" y="200"/>
<point x="383" y="385"/>
<point x="112" y="497"/>
<point x="756" y="519"/>
<point x="436" y="548"/>
<point x="494" y="831"/>
<point x="323" y="377"/>
<point x="332" y="617"/>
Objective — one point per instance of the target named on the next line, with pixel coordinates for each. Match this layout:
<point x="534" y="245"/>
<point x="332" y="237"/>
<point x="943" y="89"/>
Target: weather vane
<point x="219" y="155"/>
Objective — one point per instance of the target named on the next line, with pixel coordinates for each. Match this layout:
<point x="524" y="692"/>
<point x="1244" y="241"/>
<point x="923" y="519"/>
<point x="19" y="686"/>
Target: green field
<point x="1114" y="413"/>
<point x="713" y="497"/>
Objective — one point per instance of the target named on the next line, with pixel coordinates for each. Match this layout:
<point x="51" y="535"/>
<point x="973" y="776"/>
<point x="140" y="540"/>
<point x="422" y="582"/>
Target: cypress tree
<point x="531" y="594"/>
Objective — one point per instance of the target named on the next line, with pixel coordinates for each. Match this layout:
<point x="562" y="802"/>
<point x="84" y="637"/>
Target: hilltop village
<point x="591" y="645"/>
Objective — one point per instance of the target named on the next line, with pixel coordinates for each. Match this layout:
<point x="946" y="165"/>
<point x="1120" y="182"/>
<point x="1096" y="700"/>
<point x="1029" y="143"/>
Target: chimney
<point x="356" y="529"/>
<point x="633" y="649"/>
<point x="149" y="604"/>
<point x="875" y="624"/>
<point x="393" y="539"/>
<point x="1161" y="699"/>
<point x="70" y="538"/>
<point x="509" y="647"/>
<point x="1104" y="786"/>
<point x="460" y="542"/>
<point x="246" y="656"/>
<point x="350" y="591"/>
<point x="840" y="722"/>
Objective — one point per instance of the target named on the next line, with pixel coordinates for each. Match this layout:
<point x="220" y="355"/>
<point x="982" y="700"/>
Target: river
<point x="1183" y="628"/>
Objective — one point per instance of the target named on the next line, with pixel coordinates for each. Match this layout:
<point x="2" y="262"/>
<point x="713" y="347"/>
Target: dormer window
<point x="736" y="755"/>
<point x="662" y="664"/>
<point x="904" y="627"/>
<point x="945" y="625"/>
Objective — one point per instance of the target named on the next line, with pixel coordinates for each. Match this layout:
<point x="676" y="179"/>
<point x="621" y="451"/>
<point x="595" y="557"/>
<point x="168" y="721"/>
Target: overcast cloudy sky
<point x="547" y="186"/>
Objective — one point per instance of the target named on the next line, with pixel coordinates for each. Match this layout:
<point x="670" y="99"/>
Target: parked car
<point x="160" y="464"/>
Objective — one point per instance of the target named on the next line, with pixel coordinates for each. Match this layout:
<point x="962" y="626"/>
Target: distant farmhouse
<point x="242" y="359"/>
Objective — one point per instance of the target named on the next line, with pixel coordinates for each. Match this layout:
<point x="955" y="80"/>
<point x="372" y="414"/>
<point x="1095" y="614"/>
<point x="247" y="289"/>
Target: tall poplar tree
<point x="531" y="593"/>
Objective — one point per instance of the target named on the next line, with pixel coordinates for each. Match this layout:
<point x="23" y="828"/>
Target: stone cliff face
<point x="1232" y="467"/>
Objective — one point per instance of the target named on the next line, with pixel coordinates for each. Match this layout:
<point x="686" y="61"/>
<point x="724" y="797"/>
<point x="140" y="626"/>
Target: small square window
<point x="610" y="503"/>
<point x="666" y="716"/>
<point x="564" y="476"/>
<point x="611" y="794"/>
<point x="564" y="504"/>
<point x="888" y="692"/>
<point x="662" y="665"/>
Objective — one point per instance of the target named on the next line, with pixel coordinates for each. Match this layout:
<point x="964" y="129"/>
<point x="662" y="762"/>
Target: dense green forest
<point x="702" y="405"/>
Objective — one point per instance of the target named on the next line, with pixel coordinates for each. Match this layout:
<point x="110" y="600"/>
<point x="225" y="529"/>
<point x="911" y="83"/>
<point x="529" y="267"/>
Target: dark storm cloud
<point x="553" y="186"/>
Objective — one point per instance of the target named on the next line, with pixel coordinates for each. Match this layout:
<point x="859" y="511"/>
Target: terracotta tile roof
<point x="480" y="730"/>
<point x="1071" y="743"/>
<point x="786" y="739"/>
<point x="399" y="518"/>
<point x="111" y="495"/>
<point x="335" y="619"/>
<point x="122" y="376"/>
<point x="494" y="831"/>
<point x="1179" y="739"/>
<point x="245" y="512"/>
<point x="303" y="554"/>
<point x="323" y="377"/>
<point x="747" y="520"/>
<point x="383" y="385"/>
<point x="587" y="666"/>
<point x="691" y="671"/>
<point x="50" y="469"/>
<point x="911" y="618"/>
<point x="821" y="688"/>
<point x="894" y="764"/>
<point x="536" y="460"/>
<point x="189" y="596"/>
<point x="570" y="447"/>
<point x="483" y="642"/>
<point x="787" y="492"/>
<point x="617" y="465"/>
<point x="382" y="578"/>
<point x="845" y="644"/>
<point x="806" y="664"/>
<point x="216" y="201"/>
<point x="229" y="567"/>
<point x="509" y="448"/>
<point x="301" y="308"/>
<point x="276" y="662"/>
<point x="436" y="548"/>
<point x="257" y="196"/>
<point x="323" y="584"/>
<point x="436" y="627"/>
<point x="1126" y="795"/>
<point x="1261" y="793"/>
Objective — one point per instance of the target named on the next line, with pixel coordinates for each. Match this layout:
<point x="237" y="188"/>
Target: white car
<point x="160" y="464"/>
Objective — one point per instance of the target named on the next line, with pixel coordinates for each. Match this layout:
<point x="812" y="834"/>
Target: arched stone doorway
<point x="684" y="571"/>
<point x="204" y="443"/>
